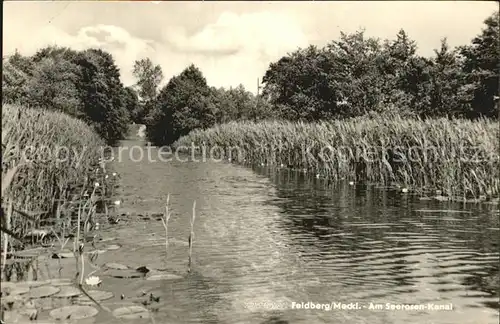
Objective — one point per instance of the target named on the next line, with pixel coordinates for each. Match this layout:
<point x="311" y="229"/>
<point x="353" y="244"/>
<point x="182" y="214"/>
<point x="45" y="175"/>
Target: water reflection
<point x="264" y="236"/>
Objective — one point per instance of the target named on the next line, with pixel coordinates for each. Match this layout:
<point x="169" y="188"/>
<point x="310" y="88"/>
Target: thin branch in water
<point x="191" y="237"/>
<point x="165" y="220"/>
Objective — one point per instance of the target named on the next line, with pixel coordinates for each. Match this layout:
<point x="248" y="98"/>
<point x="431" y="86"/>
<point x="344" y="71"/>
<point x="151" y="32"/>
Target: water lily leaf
<point x="7" y="286"/>
<point x="59" y="282"/>
<point x="13" y="302"/>
<point x="31" y="253"/>
<point x="107" y="239"/>
<point x="43" y="291"/>
<point x="117" y="266"/>
<point x="31" y="283"/>
<point x="73" y="312"/>
<point x="131" y="312"/>
<point x="63" y="255"/>
<point x="113" y="247"/>
<point x="163" y="276"/>
<point x="19" y="291"/>
<point x="98" y="295"/>
<point x="67" y="292"/>
<point x="126" y="274"/>
<point x="96" y="251"/>
<point x="18" y="316"/>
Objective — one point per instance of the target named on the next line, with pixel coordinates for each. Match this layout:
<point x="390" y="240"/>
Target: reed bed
<point x="57" y="159"/>
<point x="456" y="157"/>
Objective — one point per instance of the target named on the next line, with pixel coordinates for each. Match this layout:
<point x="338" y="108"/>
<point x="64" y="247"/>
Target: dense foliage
<point x="82" y="84"/>
<point x="352" y="76"/>
<point x="359" y="74"/>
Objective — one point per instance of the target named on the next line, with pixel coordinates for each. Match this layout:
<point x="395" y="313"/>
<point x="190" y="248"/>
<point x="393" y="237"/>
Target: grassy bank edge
<point x="463" y="164"/>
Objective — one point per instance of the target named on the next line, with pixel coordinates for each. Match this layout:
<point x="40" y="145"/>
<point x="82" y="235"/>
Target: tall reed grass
<point x="44" y="185"/>
<point x="457" y="157"/>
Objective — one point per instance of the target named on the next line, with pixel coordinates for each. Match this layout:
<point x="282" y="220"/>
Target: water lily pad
<point x="7" y="287"/>
<point x="131" y="312"/>
<point x="107" y="239"/>
<point x="63" y="255"/>
<point x="43" y="291"/>
<point x="117" y="266"/>
<point x="96" y="251"/>
<point x="74" y="312"/>
<point x="30" y="284"/>
<point x="59" y="282"/>
<point x="98" y="295"/>
<point x="163" y="276"/>
<point x="21" y="316"/>
<point x="13" y="302"/>
<point x="68" y="292"/>
<point x="125" y="274"/>
<point x="31" y="253"/>
<point x="113" y="247"/>
<point x="19" y="291"/>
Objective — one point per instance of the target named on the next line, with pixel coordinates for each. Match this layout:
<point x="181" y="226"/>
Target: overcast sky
<point x="231" y="42"/>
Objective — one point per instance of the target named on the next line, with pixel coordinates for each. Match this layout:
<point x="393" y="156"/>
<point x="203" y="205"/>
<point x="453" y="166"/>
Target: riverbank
<point x="55" y="184"/>
<point x="449" y="159"/>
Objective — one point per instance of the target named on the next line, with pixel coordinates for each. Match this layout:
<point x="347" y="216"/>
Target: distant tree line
<point x="357" y="75"/>
<point x="352" y="76"/>
<point x="83" y="84"/>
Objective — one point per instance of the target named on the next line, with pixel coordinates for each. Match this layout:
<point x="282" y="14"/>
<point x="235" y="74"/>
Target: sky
<point x="231" y="42"/>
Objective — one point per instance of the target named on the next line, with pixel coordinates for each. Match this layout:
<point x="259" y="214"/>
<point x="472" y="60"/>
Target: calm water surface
<point x="266" y="238"/>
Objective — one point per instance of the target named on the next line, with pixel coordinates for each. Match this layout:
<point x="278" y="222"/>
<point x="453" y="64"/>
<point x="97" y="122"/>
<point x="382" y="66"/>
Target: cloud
<point x="231" y="42"/>
<point x="236" y="48"/>
<point x="273" y="33"/>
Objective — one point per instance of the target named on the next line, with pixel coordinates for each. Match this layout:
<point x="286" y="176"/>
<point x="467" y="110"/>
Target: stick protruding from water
<point x="191" y="236"/>
<point x="165" y="220"/>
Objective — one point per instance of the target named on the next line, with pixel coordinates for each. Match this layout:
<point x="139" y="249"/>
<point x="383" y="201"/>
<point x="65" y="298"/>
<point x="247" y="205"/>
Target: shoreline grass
<point x="453" y="157"/>
<point x="59" y="166"/>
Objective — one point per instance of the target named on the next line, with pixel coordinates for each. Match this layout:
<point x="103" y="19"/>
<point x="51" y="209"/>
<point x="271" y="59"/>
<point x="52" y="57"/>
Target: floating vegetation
<point x="63" y="255"/>
<point x="73" y="312"/>
<point x="113" y="247"/>
<point x="124" y="274"/>
<point x="93" y="281"/>
<point x="131" y="312"/>
<point x="98" y="295"/>
<point x="163" y="276"/>
<point x="43" y="291"/>
<point x="117" y="266"/>
<point x="59" y="282"/>
<point x="68" y="292"/>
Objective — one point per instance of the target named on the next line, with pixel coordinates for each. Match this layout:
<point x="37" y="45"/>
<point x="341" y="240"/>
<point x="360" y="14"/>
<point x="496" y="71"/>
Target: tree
<point x="184" y="104"/>
<point x="16" y="73"/>
<point x="149" y="77"/>
<point x="131" y="101"/>
<point x="53" y="86"/>
<point x="357" y="74"/>
<point x="447" y="84"/>
<point x="299" y="85"/>
<point x="102" y="94"/>
<point x="481" y="63"/>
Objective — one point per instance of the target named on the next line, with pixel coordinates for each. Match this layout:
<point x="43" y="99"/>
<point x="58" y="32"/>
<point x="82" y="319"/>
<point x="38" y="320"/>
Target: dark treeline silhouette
<point x="83" y="84"/>
<point x="349" y="77"/>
